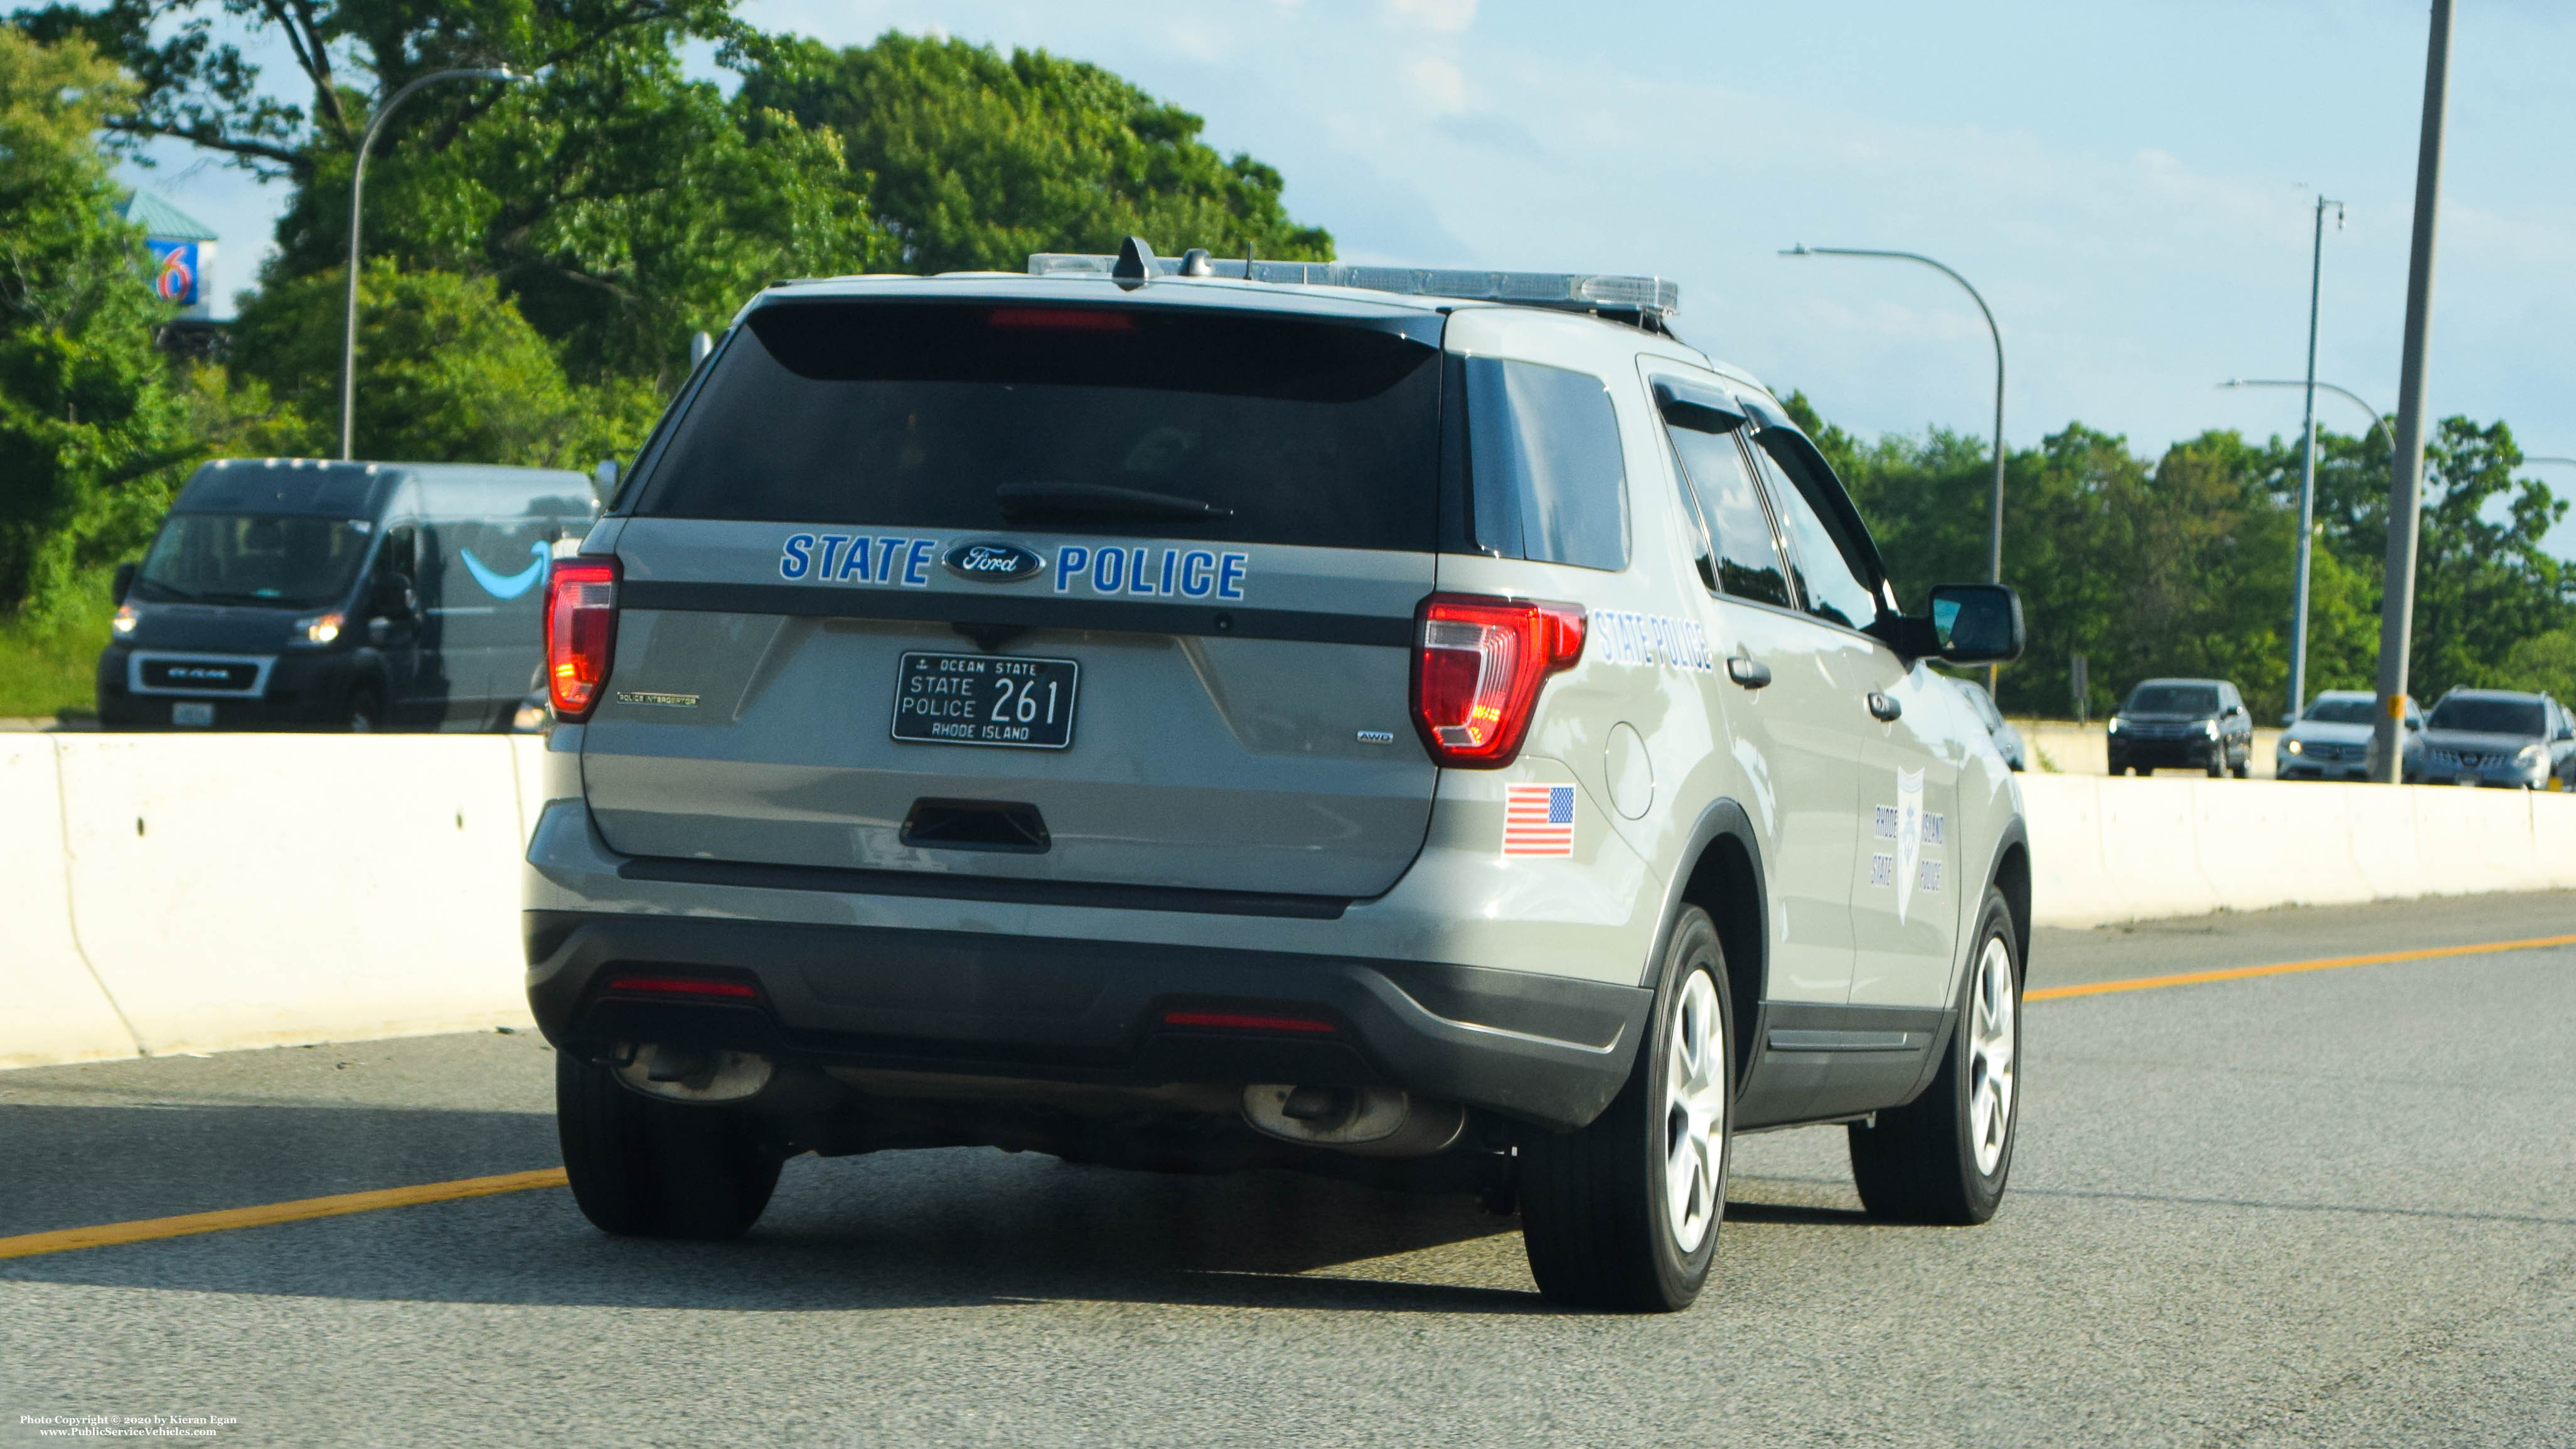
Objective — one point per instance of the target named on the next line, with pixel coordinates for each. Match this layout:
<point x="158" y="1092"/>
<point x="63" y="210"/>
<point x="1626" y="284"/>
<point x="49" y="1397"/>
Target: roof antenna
<point x="1135" y="265"/>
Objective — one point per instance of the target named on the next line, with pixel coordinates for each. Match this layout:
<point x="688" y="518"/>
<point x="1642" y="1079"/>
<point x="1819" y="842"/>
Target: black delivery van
<point x="289" y="593"/>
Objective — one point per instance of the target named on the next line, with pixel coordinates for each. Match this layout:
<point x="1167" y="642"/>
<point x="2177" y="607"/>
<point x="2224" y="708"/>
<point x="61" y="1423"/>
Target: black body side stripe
<point x="1024" y="611"/>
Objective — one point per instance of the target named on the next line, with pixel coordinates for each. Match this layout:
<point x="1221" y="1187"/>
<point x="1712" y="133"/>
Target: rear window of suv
<point x="1229" y="426"/>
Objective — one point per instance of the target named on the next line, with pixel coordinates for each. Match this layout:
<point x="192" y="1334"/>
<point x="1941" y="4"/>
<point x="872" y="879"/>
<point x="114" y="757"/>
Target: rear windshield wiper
<point x="1022" y="501"/>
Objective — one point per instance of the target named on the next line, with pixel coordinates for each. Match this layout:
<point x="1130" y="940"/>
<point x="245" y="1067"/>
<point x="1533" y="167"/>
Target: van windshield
<point x="2490" y="717"/>
<point x="253" y="558"/>
<point x="1196" y="424"/>
<point x="2183" y="699"/>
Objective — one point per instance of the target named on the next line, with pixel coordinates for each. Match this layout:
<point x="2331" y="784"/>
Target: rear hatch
<point x="1074" y="591"/>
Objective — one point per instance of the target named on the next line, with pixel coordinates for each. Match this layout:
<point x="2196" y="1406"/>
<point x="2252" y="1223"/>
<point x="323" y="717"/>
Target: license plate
<point x="2469" y="777"/>
<point x="192" y="712"/>
<point x="985" y="699"/>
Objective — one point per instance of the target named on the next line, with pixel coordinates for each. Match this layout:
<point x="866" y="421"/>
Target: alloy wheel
<point x="1695" y="1127"/>
<point x="1993" y="1042"/>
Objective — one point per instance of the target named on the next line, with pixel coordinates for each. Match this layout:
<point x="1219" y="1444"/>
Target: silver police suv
<point x="1430" y="727"/>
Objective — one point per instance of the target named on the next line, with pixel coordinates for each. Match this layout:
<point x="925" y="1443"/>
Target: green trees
<point x="2185" y="565"/>
<point x="89" y="429"/>
<point x="978" y="160"/>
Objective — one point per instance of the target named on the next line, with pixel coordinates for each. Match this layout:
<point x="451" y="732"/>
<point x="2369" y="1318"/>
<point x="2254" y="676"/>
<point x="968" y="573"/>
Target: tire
<point x="1603" y="1219"/>
<point x="2243" y="769"/>
<point x="647" y="1169"/>
<point x="1945" y="1156"/>
<point x="364" y="714"/>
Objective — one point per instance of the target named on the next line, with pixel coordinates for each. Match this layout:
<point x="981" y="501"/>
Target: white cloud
<point x="1438" y="85"/>
<point x="1445" y="17"/>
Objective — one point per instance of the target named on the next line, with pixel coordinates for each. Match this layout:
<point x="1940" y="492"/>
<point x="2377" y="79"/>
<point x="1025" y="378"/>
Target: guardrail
<point x="178" y="893"/>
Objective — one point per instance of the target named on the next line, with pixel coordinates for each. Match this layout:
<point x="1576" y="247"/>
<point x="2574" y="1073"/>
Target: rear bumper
<point x="1548" y="1050"/>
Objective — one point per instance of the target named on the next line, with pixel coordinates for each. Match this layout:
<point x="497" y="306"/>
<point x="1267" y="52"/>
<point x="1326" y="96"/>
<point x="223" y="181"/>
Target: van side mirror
<point x="605" y="477"/>
<point x="1977" y="623"/>
<point x="124" y="582"/>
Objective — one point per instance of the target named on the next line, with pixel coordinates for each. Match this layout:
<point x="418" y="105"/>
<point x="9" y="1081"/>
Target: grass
<point x="50" y="668"/>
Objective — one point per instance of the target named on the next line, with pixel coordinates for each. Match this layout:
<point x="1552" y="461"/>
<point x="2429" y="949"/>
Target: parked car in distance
<point x="2008" y="742"/>
<point x="2496" y="737"/>
<point x="2330" y="740"/>
<point x="2178" y="724"/>
<point x="292" y="593"/>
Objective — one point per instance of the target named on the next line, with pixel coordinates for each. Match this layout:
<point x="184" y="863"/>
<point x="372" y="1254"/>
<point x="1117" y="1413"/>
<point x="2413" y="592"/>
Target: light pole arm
<point x="2356" y="399"/>
<point x="1995" y="524"/>
<point x="357" y="190"/>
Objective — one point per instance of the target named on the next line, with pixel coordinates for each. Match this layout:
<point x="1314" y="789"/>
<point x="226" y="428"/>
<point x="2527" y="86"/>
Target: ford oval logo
<point x="993" y="563"/>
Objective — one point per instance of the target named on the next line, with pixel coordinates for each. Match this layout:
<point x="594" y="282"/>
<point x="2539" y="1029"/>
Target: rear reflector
<point x="581" y="633"/>
<point x="1245" y="1021"/>
<point x="683" y="986"/>
<point x="1477" y="670"/>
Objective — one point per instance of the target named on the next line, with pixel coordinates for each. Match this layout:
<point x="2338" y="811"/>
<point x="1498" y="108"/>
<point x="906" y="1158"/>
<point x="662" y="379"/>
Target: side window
<point x="1748" y="557"/>
<point x="1545" y="470"/>
<point x="1828" y="580"/>
<point x="396" y="570"/>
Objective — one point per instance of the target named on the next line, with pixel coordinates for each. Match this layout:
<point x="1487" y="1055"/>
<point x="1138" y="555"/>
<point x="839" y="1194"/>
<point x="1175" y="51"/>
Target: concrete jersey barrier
<point x="172" y="893"/>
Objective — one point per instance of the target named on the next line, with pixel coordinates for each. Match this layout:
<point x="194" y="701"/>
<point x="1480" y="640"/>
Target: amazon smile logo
<point x="506" y="586"/>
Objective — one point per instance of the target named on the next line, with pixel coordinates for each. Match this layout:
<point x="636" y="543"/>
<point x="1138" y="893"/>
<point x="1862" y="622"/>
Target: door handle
<point x="1751" y="673"/>
<point x="1884" y="707"/>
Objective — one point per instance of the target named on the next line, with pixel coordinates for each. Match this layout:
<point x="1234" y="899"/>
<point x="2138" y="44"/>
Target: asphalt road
<point x="2335" y="1207"/>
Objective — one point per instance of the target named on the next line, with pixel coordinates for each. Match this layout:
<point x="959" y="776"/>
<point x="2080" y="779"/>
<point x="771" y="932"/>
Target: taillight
<point x="1477" y="668"/>
<point x="581" y="632"/>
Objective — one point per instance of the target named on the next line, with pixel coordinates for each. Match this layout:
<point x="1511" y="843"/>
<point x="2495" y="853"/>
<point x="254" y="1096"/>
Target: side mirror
<point x="392" y="595"/>
<point x="1977" y="623"/>
<point x="124" y="583"/>
<point x="2414" y="722"/>
<point x="605" y="478"/>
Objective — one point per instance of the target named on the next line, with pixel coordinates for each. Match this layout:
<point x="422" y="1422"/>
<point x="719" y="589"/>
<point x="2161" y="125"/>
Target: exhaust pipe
<point x="1362" y="1121"/>
<point x="700" y="1075"/>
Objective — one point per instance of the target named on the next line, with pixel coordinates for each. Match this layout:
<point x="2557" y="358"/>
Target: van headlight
<point x="2209" y="727"/>
<point x="2117" y="723"/>
<point x="315" y="630"/>
<point x="123" y="623"/>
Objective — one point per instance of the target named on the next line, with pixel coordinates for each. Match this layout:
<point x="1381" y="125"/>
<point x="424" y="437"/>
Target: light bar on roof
<point x="1585" y="291"/>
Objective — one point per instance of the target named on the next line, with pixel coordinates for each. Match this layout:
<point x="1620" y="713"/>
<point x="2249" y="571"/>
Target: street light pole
<point x="2377" y="420"/>
<point x="1995" y="504"/>
<point x="2406" y="480"/>
<point x="2308" y="469"/>
<point x="357" y="188"/>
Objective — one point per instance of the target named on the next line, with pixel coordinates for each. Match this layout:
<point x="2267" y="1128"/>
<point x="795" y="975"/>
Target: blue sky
<point x="2129" y="183"/>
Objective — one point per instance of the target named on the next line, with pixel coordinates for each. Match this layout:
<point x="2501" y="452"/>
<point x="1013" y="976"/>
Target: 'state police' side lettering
<point x="1627" y="638"/>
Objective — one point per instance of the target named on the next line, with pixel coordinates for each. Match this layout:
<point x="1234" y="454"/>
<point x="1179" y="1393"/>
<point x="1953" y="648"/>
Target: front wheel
<point x="365" y="714"/>
<point x="1943" y="1157"/>
<point x="649" y="1169"/>
<point x="1623" y="1214"/>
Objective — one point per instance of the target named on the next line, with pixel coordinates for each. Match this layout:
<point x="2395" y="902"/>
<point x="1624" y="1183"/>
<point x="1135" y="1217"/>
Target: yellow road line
<point x="110" y="1234"/>
<point x="148" y="1229"/>
<point x="2284" y="968"/>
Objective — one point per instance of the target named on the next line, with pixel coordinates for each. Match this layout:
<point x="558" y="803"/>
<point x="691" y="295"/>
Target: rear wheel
<point x="1623" y="1214"/>
<point x="652" y="1169"/>
<point x="1944" y="1157"/>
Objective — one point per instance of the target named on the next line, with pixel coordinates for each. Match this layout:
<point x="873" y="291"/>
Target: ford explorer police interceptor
<point x="1423" y="725"/>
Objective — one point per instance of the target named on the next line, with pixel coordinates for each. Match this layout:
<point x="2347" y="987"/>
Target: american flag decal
<point x="1538" y="820"/>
